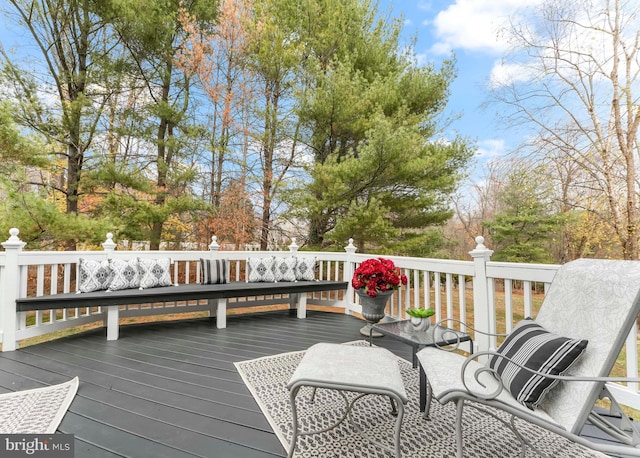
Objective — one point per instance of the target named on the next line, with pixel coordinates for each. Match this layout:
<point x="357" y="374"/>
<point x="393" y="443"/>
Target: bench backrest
<point x="597" y="300"/>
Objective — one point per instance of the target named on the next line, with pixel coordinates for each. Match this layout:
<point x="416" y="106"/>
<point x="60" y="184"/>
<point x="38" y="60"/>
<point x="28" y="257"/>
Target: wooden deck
<point x="170" y="389"/>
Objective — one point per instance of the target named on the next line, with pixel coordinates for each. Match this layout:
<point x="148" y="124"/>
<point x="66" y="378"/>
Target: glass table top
<point x="434" y="335"/>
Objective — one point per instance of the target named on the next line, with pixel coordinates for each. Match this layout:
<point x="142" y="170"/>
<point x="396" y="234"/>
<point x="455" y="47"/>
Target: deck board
<point x="170" y="389"/>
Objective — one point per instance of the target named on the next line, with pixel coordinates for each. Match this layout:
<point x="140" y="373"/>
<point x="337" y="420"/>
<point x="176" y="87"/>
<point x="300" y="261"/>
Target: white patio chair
<point x="596" y="300"/>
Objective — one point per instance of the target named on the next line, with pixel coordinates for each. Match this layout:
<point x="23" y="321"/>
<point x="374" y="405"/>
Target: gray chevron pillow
<point x="154" y="272"/>
<point x="125" y="274"/>
<point x="94" y="275"/>
<point x="261" y="269"/>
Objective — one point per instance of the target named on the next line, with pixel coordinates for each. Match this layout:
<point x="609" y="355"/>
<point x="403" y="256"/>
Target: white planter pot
<point x="419" y="324"/>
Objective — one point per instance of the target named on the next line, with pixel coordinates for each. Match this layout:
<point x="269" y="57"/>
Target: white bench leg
<point x="221" y="314"/>
<point x="293" y="301"/>
<point x="302" y="305"/>
<point x="113" y="322"/>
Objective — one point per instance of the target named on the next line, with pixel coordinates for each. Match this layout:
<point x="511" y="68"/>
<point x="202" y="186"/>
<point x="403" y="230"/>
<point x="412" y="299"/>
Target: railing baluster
<point x="492" y="312"/>
<point x="416" y="288"/>
<point x="508" y="304"/>
<point x="462" y="299"/>
<point x="438" y="296"/>
<point x="449" y="298"/>
<point x="528" y="298"/>
<point x="427" y="289"/>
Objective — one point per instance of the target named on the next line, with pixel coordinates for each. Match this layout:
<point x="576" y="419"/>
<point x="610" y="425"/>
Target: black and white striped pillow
<point x="532" y="346"/>
<point x="214" y="271"/>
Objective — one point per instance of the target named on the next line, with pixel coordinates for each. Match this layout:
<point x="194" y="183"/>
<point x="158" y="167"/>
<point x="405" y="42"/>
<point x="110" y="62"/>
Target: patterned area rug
<point x="484" y="436"/>
<point x="37" y="411"/>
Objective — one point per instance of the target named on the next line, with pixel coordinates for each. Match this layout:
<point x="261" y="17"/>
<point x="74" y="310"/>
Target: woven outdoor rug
<point x="483" y="436"/>
<point x="37" y="411"/>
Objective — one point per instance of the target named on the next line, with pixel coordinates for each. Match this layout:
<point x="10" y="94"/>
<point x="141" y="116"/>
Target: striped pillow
<point x="214" y="271"/>
<point x="532" y="346"/>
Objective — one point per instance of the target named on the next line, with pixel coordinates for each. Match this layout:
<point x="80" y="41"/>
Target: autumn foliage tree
<point x="234" y="221"/>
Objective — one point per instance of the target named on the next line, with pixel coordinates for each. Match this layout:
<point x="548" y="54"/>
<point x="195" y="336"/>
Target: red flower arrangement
<point x="377" y="276"/>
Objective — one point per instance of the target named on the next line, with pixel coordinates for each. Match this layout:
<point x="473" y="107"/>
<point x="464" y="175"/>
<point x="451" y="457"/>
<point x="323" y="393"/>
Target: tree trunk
<point x="271" y="127"/>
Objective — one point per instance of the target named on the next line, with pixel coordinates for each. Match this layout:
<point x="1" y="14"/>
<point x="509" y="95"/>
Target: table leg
<point x="423" y="389"/>
<point x="394" y="410"/>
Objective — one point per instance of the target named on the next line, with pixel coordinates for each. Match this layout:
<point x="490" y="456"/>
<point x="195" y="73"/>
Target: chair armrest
<point x="493" y="395"/>
<point x="445" y="322"/>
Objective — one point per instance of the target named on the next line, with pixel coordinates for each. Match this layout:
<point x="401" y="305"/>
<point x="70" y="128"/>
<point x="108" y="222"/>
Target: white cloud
<point x="475" y="25"/>
<point x="491" y="148"/>
<point x="582" y="48"/>
<point x="503" y="74"/>
<point x="424" y="5"/>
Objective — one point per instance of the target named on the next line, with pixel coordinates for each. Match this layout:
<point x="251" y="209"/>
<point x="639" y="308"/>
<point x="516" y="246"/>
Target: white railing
<point x="489" y="296"/>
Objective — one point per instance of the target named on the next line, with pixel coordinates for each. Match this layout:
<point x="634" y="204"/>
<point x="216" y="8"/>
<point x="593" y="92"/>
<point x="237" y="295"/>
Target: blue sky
<point x="470" y="29"/>
<point x="466" y="27"/>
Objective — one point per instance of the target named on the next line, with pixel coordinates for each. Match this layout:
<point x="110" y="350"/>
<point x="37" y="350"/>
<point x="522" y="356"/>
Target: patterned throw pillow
<point x="261" y="269"/>
<point x="306" y="269"/>
<point x="285" y="269"/>
<point x="154" y="272"/>
<point x="125" y="274"/>
<point x="94" y="275"/>
<point x="215" y="271"/>
<point x="536" y="348"/>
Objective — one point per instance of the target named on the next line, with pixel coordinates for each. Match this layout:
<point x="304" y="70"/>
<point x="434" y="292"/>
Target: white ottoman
<point x="365" y="370"/>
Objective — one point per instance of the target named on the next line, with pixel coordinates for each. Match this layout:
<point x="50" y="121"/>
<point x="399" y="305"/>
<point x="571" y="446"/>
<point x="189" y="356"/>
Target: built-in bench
<point x="216" y="294"/>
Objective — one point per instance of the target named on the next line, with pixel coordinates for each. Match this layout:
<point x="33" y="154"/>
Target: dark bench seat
<point x="218" y="292"/>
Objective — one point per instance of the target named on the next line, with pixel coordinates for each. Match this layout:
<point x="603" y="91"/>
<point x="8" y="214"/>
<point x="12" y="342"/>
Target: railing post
<point x="10" y="290"/>
<point x="217" y="307"/>
<point x="348" y="270"/>
<point x="213" y="246"/>
<point x="109" y="246"/>
<point x="297" y="301"/>
<point x="113" y="311"/>
<point x="481" y="307"/>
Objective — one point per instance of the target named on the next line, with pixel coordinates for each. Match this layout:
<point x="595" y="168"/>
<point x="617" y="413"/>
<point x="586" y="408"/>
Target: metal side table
<point x="433" y="336"/>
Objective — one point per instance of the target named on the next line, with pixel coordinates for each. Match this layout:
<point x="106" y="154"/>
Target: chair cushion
<point x="215" y="271"/>
<point x="154" y="272"/>
<point x="444" y="374"/>
<point x="532" y="346"/>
